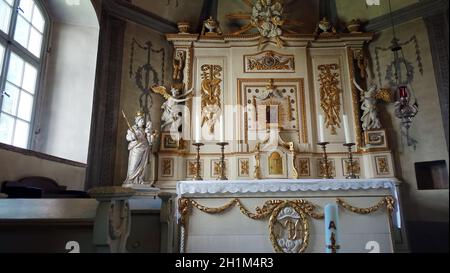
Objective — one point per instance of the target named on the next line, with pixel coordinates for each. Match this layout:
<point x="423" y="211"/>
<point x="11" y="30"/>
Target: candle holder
<point x="325" y="164"/>
<point x="351" y="173"/>
<point x="222" y="160"/>
<point x="197" y="161"/>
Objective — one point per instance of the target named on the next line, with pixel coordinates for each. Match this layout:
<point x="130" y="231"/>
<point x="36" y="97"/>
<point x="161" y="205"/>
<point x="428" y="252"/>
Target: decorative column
<point x="167" y="217"/>
<point x="113" y="218"/>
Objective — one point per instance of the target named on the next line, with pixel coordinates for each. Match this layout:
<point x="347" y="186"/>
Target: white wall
<point x="16" y="165"/>
<point x="427" y="127"/>
<point x="68" y="92"/>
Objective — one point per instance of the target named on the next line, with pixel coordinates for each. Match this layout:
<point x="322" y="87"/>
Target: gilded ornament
<point x="257" y="153"/>
<point x="244" y="168"/>
<point x="210" y="95"/>
<point x="269" y="61"/>
<point x="275" y="164"/>
<point x="304" y="167"/>
<point x="290" y="215"/>
<point x="267" y="18"/>
<point x="330" y="95"/>
<point x="179" y="61"/>
<point x="387" y="201"/>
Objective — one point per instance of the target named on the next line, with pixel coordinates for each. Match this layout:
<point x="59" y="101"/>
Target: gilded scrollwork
<point x="210" y="95"/>
<point x="269" y="61"/>
<point x="387" y="201"/>
<point x="330" y="95"/>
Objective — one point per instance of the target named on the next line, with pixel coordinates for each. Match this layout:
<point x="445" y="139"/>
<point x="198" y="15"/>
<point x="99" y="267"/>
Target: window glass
<point x="15" y="70"/>
<point x="2" y="55"/>
<point x="22" y="31"/>
<point x="5" y="15"/>
<point x="21" y="134"/>
<point x="6" y="128"/>
<point x="21" y="64"/>
<point x="29" y="78"/>
<point x="38" y="20"/>
<point x="10" y="99"/>
<point x="26" y="8"/>
<point x="35" y="42"/>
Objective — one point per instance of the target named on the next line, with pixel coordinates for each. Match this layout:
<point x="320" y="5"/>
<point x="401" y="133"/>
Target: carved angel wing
<point x="162" y="91"/>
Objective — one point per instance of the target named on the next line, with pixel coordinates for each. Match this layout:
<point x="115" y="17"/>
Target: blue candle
<point x="331" y="228"/>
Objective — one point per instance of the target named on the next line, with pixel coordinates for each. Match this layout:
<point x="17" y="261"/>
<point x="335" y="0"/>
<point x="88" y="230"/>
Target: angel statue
<point x="369" y="117"/>
<point x="141" y="139"/>
<point x="172" y="112"/>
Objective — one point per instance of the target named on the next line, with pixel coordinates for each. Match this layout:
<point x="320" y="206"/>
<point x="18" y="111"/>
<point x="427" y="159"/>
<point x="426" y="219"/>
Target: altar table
<point x="264" y="216"/>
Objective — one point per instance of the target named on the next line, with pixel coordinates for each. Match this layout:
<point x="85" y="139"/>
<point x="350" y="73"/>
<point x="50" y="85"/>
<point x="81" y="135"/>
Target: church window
<point x="23" y="28"/>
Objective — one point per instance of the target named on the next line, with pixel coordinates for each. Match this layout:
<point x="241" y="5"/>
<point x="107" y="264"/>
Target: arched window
<point x="23" y="26"/>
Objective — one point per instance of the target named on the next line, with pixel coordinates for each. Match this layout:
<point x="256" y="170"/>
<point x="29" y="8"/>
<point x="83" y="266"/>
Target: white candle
<point x="198" y="128"/>
<point x="222" y="129"/>
<point x="346" y="130"/>
<point x="321" y="138"/>
<point x="331" y="215"/>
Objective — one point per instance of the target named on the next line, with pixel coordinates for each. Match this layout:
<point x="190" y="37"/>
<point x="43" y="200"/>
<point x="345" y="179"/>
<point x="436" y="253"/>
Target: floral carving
<point x="330" y="95"/>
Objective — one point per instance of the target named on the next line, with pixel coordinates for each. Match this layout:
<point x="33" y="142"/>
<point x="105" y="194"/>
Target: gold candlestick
<point x="222" y="161"/>
<point x="197" y="162"/>
<point x="351" y="174"/>
<point x="325" y="164"/>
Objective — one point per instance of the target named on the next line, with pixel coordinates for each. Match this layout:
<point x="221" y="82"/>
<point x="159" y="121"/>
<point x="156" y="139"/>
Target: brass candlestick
<point x="197" y="162"/>
<point x="325" y="164"/>
<point x="222" y="161"/>
<point x="351" y="173"/>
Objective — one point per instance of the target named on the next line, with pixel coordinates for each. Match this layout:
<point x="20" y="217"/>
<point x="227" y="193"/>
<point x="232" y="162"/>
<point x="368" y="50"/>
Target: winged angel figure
<point x="172" y="114"/>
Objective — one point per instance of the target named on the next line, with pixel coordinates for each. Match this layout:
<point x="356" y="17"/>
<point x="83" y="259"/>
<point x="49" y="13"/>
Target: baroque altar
<point x="255" y="85"/>
<point x="272" y="112"/>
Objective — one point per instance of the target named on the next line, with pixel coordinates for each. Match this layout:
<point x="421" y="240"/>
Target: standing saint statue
<point x="140" y="139"/>
<point x="369" y="117"/>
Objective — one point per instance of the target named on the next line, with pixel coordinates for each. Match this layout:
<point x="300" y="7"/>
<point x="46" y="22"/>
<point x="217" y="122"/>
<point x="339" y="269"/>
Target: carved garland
<point x="330" y="95"/>
<point x="388" y="201"/>
<point x="299" y="208"/>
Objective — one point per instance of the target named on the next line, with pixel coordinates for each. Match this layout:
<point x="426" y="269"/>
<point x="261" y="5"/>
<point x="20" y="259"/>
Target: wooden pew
<point x="98" y="224"/>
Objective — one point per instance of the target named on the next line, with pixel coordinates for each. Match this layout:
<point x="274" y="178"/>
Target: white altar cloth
<point x="186" y="188"/>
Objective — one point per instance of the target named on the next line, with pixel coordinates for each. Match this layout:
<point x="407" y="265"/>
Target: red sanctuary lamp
<point x="403" y="91"/>
<point x="404" y="111"/>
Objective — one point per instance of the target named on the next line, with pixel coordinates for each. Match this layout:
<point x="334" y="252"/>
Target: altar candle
<point x="346" y="130"/>
<point x="222" y="130"/>
<point x="331" y="228"/>
<point x="198" y="128"/>
<point x="321" y="138"/>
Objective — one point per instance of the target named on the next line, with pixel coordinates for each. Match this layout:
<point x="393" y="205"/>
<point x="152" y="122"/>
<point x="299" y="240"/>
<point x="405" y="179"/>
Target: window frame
<point x="12" y="46"/>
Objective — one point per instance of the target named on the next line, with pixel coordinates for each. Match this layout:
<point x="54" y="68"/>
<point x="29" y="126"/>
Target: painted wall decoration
<point x="146" y="75"/>
<point x="408" y="74"/>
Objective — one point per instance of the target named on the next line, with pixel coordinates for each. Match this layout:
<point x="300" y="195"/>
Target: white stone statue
<point x="172" y="114"/>
<point x="140" y="139"/>
<point x="369" y="117"/>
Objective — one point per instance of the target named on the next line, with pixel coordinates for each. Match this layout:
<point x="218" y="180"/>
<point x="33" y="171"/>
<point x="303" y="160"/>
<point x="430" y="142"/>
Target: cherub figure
<point x="172" y="112"/>
<point x="369" y="117"/>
